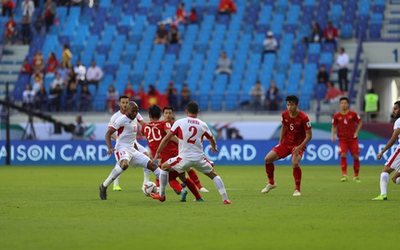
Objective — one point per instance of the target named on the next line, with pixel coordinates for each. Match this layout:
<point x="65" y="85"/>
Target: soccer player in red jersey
<point x="155" y="131"/>
<point x="344" y="123"/>
<point x="168" y="113"/>
<point x="295" y="134"/>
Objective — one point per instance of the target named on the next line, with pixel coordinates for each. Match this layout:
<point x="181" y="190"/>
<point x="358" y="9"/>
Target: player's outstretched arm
<point x="213" y="143"/>
<point x="109" y="133"/>
<point x="333" y="138"/>
<point x="163" y="143"/>
<point x="390" y="143"/>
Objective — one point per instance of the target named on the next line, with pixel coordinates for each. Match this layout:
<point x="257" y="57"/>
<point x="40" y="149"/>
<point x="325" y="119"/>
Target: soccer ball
<point x="149" y="187"/>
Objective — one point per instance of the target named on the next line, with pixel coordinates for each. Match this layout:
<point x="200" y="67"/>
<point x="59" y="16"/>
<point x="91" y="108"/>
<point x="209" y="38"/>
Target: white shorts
<point x="134" y="157"/>
<point x="394" y="160"/>
<point x="181" y="165"/>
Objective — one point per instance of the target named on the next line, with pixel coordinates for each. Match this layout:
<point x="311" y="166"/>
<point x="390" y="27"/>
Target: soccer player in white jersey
<point x="123" y="105"/>
<point x="190" y="132"/>
<point x="126" y="151"/>
<point x="393" y="163"/>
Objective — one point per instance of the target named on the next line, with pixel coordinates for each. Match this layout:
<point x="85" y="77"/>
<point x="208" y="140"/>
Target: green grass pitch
<point x="59" y="208"/>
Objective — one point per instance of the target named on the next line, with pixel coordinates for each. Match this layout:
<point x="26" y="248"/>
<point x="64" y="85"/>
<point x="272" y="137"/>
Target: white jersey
<point x="138" y="118"/>
<point x="126" y="131"/>
<point x="396" y="126"/>
<point x="190" y="132"/>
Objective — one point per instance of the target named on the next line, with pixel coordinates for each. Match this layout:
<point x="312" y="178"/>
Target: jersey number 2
<point x="192" y="129"/>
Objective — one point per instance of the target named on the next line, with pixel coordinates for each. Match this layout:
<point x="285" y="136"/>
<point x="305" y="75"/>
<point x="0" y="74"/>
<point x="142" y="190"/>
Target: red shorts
<point x="283" y="150"/>
<point x="349" y="145"/>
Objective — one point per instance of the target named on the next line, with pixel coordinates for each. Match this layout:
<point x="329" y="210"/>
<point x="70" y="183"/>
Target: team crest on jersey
<point x="308" y="124"/>
<point x="168" y="125"/>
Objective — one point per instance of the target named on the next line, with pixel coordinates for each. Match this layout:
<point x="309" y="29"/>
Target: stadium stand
<point x="119" y="35"/>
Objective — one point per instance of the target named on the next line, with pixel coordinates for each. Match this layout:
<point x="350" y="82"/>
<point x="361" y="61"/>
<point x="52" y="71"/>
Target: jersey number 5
<point x="192" y="129"/>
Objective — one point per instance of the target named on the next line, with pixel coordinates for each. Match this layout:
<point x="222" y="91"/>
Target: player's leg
<point x="297" y="173"/>
<point x="396" y="177"/>
<point x="383" y="184"/>
<point x="196" y="180"/>
<point x="207" y="167"/>
<point x="146" y="171"/>
<point x="355" y="151"/>
<point x="117" y="170"/>
<point x="270" y="167"/>
<point x="343" y="148"/>
<point x="116" y="186"/>
<point x="173" y="183"/>
<point x="190" y="185"/>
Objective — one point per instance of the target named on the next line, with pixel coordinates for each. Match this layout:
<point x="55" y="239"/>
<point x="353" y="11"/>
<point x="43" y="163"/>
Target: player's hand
<point x="110" y="151"/>
<point x="295" y="151"/>
<point x="214" y="150"/>
<point x="156" y="157"/>
<point x="333" y="139"/>
<point x="355" y="135"/>
<point x="379" y="156"/>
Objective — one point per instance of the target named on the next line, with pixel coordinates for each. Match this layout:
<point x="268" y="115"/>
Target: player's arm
<point x="174" y="138"/>
<point x="108" y="136"/>
<point x="334" y="128"/>
<point x="213" y="143"/>
<point x="358" y="129"/>
<point x="390" y="143"/>
<point x="113" y="136"/>
<point x="163" y="143"/>
<point x="282" y="133"/>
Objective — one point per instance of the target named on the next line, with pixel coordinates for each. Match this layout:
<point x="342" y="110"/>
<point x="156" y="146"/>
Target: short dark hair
<point x="155" y="111"/>
<point x="168" y="108"/>
<point x="344" y="98"/>
<point x="397" y="103"/>
<point x="192" y="107"/>
<point x="123" y="97"/>
<point x="292" y="98"/>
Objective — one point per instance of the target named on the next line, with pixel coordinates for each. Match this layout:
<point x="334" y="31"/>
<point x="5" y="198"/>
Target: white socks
<point x="146" y="173"/>
<point x="116" y="181"/>
<point x="157" y="173"/>
<point x="384" y="182"/>
<point x="163" y="181"/>
<point x="219" y="184"/>
<point x="113" y="175"/>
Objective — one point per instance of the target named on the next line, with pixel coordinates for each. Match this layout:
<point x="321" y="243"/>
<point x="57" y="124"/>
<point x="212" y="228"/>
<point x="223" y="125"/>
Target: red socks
<point x="192" y="187"/>
<point x="356" y="167"/>
<point x="343" y="165"/>
<point x="297" y="177"/>
<point x="195" y="178"/>
<point x="269" y="169"/>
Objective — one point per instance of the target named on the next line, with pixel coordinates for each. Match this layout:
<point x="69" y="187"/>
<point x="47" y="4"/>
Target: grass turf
<point x="60" y="208"/>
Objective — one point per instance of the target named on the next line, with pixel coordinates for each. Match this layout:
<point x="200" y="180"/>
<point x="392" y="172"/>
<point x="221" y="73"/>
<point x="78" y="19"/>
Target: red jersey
<point x="295" y="128"/>
<point x="346" y="124"/>
<point x="155" y="132"/>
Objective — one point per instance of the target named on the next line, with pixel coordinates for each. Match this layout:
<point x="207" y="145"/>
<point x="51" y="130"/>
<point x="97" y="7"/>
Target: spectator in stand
<point x="174" y="36"/>
<point x="270" y="44"/>
<point x="7" y="7"/>
<point x="161" y="34"/>
<point x="331" y="34"/>
<point x="152" y="95"/>
<point x="71" y="96"/>
<point x="38" y="26"/>
<point x="94" y="75"/>
<point x="38" y="63"/>
<point x="26" y="30"/>
<point x="112" y="98"/>
<point x="55" y="98"/>
<point x="224" y="65"/>
<point x="342" y="61"/>
<point x="84" y="98"/>
<point x="80" y="128"/>
<point x="332" y="94"/>
<point x="66" y="56"/>
<point x="180" y="15"/>
<point x="129" y="91"/>
<point x="323" y="75"/>
<point x="28" y="97"/>
<point x="11" y="30"/>
<point x="64" y="72"/>
<point x="316" y="34"/>
<point x="41" y="99"/>
<point x="57" y="81"/>
<point x="28" y="8"/>
<point x="226" y="7"/>
<point x="37" y="81"/>
<point x="26" y="67"/>
<point x="141" y="95"/>
<point x="257" y="96"/>
<point x="172" y="94"/>
<point x="80" y="73"/>
<point x="52" y="64"/>
<point x="49" y="12"/>
<point x="185" y="96"/>
<point x="272" y="96"/>
<point x="192" y="16"/>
